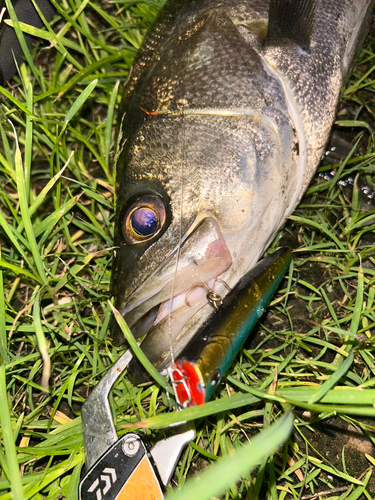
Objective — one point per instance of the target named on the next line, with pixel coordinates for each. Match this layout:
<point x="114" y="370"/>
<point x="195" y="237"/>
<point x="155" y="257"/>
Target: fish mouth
<point x="185" y="282"/>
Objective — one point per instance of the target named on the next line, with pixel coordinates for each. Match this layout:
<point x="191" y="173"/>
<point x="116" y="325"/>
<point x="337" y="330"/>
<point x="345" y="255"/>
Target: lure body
<point x="201" y="366"/>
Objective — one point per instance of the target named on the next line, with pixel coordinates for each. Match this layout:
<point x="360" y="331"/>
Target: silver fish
<point x="225" y="117"/>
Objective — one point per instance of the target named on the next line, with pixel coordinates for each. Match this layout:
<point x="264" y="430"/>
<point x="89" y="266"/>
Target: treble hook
<point x="181" y="380"/>
<point x="212" y="297"/>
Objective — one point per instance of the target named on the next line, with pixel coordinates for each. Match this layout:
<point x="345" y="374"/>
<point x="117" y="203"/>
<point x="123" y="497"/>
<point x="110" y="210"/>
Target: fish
<point x="224" y="119"/>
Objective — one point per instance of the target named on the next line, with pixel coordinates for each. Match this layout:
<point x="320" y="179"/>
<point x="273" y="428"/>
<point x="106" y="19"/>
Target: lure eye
<point x="144" y="219"/>
<point x="215" y="378"/>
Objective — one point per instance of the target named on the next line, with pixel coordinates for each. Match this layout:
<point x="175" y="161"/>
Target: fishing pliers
<point x="133" y="468"/>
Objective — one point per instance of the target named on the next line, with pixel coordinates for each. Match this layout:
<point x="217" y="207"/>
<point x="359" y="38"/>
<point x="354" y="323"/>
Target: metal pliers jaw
<point x="125" y="468"/>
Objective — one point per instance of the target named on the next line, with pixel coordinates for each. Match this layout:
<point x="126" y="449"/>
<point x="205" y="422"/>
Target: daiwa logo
<point x="109" y="478"/>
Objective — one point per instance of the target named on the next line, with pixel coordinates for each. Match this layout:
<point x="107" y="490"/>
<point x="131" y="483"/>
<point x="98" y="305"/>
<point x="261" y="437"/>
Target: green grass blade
<point x="227" y="470"/>
<point x="50" y="222"/>
<point x="23" y="200"/>
<point x="18" y="270"/>
<point x="47" y="188"/>
<point x="29" y="133"/>
<point x="78" y="104"/>
<point x="333" y="379"/>
<point x="7" y="436"/>
<point x="316" y="225"/>
<point x="354" y="325"/>
<point x="138" y="351"/>
<point x="82" y="75"/>
<point x="201" y="411"/>
<point x="4" y="355"/>
<point x="354" y="123"/>
<point x="17" y="102"/>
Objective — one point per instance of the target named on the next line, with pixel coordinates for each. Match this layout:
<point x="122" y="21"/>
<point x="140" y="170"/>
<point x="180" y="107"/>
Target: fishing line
<point x="178" y="251"/>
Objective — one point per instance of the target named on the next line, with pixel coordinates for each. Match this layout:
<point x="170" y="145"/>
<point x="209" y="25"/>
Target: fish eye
<point x="144" y="219"/>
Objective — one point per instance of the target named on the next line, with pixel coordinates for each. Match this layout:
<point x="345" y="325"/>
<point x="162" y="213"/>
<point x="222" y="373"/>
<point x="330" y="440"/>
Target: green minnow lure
<point x="201" y="366"/>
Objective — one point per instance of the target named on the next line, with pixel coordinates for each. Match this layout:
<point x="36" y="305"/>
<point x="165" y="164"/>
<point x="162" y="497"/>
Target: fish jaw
<point x="202" y="256"/>
<point x="178" y="287"/>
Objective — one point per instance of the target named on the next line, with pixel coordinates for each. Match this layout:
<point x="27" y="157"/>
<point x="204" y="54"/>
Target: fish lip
<point x="203" y="257"/>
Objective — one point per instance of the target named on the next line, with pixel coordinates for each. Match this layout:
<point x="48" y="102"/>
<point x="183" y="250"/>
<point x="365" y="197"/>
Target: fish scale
<point x="224" y="118"/>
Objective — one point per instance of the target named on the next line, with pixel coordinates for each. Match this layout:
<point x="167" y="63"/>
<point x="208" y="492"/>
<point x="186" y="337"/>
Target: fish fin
<point x="291" y="20"/>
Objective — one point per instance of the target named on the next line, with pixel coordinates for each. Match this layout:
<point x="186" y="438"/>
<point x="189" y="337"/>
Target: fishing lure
<point x="202" y="365"/>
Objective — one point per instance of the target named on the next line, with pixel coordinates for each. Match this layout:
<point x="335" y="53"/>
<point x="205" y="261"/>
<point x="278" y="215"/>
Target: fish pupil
<point x="144" y="221"/>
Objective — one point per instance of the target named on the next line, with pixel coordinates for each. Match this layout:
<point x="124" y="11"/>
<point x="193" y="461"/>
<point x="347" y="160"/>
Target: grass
<point x="313" y="349"/>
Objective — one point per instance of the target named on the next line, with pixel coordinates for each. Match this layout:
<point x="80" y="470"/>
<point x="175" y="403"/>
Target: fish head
<point x="193" y="216"/>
